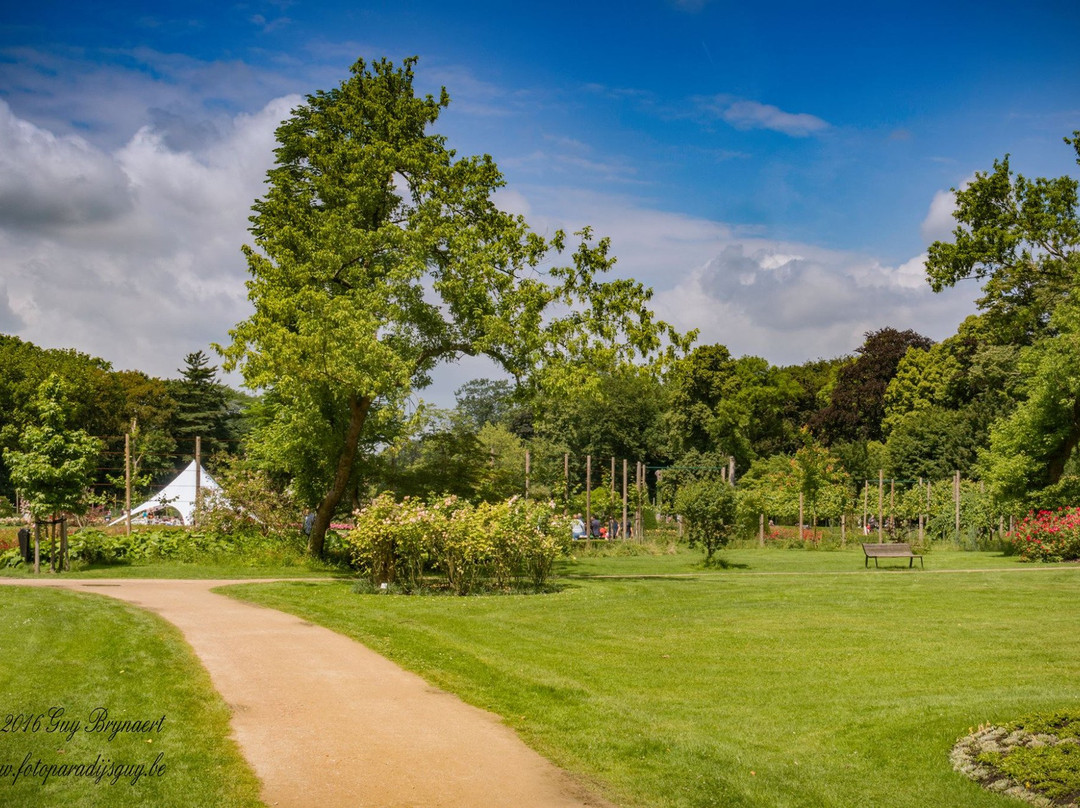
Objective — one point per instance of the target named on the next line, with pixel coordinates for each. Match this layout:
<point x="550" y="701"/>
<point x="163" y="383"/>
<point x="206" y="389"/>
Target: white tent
<point x="179" y="494"/>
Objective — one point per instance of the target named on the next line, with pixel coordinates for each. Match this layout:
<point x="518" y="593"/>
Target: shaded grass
<point x="736" y="689"/>
<point x="78" y="652"/>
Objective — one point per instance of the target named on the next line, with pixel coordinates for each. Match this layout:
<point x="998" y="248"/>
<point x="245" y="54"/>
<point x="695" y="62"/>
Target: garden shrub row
<point x="96" y="546"/>
<point x="502" y="544"/>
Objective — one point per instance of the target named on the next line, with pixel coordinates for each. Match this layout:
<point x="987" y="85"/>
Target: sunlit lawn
<point x="752" y="686"/>
<point x="78" y="652"/>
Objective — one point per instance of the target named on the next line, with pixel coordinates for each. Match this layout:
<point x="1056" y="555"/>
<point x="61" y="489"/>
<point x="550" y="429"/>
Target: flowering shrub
<point x="396" y="542"/>
<point x="1048" y="536"/>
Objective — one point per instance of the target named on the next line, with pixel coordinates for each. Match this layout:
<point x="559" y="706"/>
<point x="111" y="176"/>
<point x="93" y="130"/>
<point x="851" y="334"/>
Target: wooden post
<point x="956" y="501"/>
<point x="843" y="530"/>
<point x="865" y="503"/>
<point x="64" y="563"/>
<point x="922" y="518"/>
<point x="588" y="501"/>
<point x="52" y="544"/>
<point x="127" y="481"/>
<point x="37" y="547"/>
<point x="892" y="506"/>
<point x="637" y="508"/>
<point x="566" y="481"/>
<point x="731" y="470"/>
<point x="527" y="469"/>
<point x="880" y="505"/>
<point x="198" y="481"/>
<point x="761" y="530"/>
<point x="623" y="526"/>
<point x="799" y="535"/>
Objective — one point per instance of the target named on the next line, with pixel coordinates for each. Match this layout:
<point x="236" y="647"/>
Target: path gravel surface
<point x="325" y="721"/>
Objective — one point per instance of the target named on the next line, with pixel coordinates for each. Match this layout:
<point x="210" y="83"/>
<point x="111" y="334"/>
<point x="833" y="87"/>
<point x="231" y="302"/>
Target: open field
<point x="80" y="652"/>
<point x="754" y="686"/>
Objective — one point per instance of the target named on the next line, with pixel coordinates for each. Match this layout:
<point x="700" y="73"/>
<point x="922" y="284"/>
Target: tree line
<point x="378" y="254"/>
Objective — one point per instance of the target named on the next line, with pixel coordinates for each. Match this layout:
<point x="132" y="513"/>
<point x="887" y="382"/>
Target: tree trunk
<point x="358" y="410"/>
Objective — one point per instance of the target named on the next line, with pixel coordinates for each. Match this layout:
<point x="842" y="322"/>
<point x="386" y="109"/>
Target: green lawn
<point x="752" y="686"/>
<point x="79" y="652"/>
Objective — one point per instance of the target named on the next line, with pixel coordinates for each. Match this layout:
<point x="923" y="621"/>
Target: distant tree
<point x="1021" y="237"/>
<point x="53" y="468"/>
<point x="202" y="409"/>
<point x="732" y="407"/>
<point x="856" y="406"/>
<point x="485" y="401"/>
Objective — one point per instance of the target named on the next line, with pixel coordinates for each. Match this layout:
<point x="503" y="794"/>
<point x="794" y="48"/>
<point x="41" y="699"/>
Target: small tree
<point x="54" y="469"/>
<point x="708" y="506"/>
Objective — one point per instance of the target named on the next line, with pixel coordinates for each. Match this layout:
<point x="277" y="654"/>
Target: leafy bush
<point x="708" y="506"/>
<point x="502" y="543"/>
<point x="1048" y="536"/>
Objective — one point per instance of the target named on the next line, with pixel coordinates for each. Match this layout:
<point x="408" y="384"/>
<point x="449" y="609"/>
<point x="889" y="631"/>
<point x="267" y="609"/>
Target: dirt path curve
<point x="325" y="721"/>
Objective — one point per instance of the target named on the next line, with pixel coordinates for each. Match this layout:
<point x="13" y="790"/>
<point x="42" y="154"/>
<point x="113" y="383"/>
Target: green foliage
<point x="398" y="542"/>
<point x="202" y="408"/>
<point x="250" y="501"/>
<point x="1020" y="236"/>
<point x="708" y="508"/>
<point x="856" y="408"/>
<point x="772" y="487"/>
<point x="1031" y="451"/>
<point x="732" y="407"/>
<point x="95" y="546"/>
<point x="380" y="254"/>
<point x="55" y="467"/>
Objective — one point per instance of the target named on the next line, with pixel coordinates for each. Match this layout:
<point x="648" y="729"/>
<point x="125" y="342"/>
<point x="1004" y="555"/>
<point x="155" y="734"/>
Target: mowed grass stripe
<point x="741" y="690"/>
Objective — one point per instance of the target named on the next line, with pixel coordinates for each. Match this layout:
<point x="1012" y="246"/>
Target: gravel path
<point x="325" y="721"/>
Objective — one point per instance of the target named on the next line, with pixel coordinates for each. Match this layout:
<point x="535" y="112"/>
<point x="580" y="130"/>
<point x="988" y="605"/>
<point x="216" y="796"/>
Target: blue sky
<point x="774" y="170"/>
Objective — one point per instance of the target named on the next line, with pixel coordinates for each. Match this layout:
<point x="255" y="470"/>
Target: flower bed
<point x="1048" y="536"/>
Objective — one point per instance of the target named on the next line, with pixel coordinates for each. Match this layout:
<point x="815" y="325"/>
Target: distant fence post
<point x="625" y="525"/>
<point x="880" y="505"/>
<point x="588" y="500"/>
<point x="956" y="501"/>
<point x="127" y="481"/>
<point x="198" y="481"/>
<point x="761" y="530"/>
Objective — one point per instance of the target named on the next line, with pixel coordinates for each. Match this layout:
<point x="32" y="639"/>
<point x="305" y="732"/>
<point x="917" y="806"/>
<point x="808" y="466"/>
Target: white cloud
<point x="47" y="181"/>
<point x="161" y="274"/>
<point x="745" y="114"/>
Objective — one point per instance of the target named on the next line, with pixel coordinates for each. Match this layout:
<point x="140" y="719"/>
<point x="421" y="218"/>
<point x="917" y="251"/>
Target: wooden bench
<point x="891" y="550"/>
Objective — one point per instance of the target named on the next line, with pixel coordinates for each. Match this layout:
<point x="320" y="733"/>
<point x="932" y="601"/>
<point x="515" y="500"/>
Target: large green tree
<point x="379" y="253"/>
<point x="1021" y="238"/>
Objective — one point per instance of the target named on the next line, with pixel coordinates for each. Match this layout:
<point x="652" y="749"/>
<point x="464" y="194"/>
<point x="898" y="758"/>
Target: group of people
<point x="598" y="529"/>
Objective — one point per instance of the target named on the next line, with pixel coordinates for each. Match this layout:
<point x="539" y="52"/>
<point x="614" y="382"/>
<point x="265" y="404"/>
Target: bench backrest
<point x="895" y="548"/>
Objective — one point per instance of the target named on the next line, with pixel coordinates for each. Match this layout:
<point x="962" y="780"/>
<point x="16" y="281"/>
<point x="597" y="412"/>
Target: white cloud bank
<point x="134" y="255"/>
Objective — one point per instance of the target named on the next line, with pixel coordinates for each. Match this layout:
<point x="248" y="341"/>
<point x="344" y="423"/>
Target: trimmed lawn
<point x="79" y="652"/>
<point x="736" y="688"/>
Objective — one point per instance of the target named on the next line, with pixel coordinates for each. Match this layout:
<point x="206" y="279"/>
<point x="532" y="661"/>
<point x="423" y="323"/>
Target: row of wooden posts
<point x="639" y="487"/>
<point x="892" y="509"/>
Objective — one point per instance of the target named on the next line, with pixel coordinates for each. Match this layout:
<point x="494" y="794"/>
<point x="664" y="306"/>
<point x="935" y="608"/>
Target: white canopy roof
<point x="179" y="494"/>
